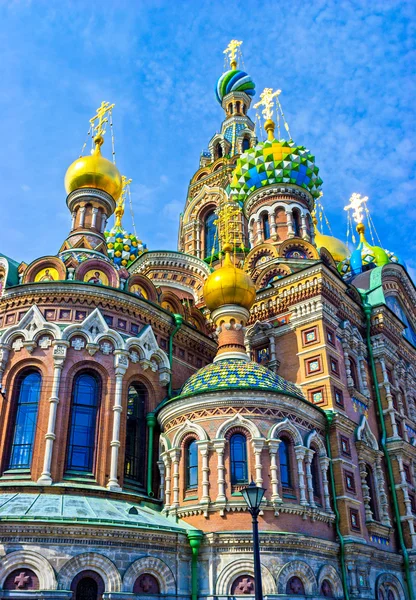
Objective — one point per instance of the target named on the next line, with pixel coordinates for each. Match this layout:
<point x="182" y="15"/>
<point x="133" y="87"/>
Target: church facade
<point x="142" y="390"/>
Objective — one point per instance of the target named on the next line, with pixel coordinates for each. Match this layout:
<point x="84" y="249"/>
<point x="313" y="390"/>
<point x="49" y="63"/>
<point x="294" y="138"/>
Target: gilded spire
<point x="119" y="212"/>
<point x="231" y="52"/>
<point x="267" y="100"/>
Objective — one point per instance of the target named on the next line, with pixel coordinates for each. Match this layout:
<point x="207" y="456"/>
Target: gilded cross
<point x="231" y="52"/>
<point x="356" y="205"/>
<point x="100" y="116"/>
<point x="266" y="99"/>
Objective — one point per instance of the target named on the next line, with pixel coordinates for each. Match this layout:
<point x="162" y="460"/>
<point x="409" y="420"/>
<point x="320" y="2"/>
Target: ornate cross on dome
<point x="266" y="99"/>
<point x="119" y="212"/>
<point x="231" y="51"/>
<point x="102" y="110"/>
<point x="356" y="205"/>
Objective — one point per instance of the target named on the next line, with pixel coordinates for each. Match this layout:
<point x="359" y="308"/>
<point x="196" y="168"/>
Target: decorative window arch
<point x="238" y="458"/>
<point x="134" y="459"/>
<point x="245" y="144"/>
<point x="286" y="475"/>
<point x="211" y="234"/>
<point x="265" y="226"/>
<point x="88" y="584"/>
<point x="218" y="153"/>
<point x="85" y="404"/>
<point x="191" y="464"/>
<point x="28" y="390"/>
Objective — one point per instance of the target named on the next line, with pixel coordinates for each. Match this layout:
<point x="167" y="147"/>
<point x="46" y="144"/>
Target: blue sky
<point x="347" y="71"/>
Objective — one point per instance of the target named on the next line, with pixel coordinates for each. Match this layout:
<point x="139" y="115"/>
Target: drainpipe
<point x="329" y="419"/>
<point x="396" y="511"/>
<point x="151" y="423"/>
<point x="178" y="319"/>
<point x="195" y="539"/>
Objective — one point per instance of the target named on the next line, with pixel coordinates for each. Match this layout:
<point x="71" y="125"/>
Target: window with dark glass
<point x="284" y="459"/>
<point x="28" y="392"/>
<point x="315" y="477"/>
<point x="246" y="144"/>
<point x="354" y="375"/>
<point x="134" y="459"/>
<point x="85" y="402"/>
<point x="238" y="454"/>
<point x="211" y="236"/>
<point x="192" y="465"/>
<point x="296" y="222"/>
<point x="369" y="479"/>
<point x="266" y="227"/>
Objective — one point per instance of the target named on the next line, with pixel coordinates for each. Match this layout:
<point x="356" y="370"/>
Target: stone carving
<point x="78" y="343"/>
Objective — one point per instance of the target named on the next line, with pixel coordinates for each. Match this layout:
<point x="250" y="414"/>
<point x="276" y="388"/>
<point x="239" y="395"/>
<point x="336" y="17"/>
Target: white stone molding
<point x="59" y="351"/>
<point x="238" y="421"/>
<point x="168" y="480"/>
<point x="32" y="560"/>
<point x="364" y="434"/>
<point x="94" y="217"/>
<point x="90" y="561"/>
<point x="286" y="426"/>
<point x="387" y="582"/>
<point x="297" y="568"/>
<point x="121" y="364"/>
<point x="189" y="427"/>
<point x="219" y="447"/>
<point x="331" y="574"/>
<point x="30" y="327"/>
<point x="300" y="452"/>
<point x="308" y="460"/>
<point x="258" y="445"/>
<point x="203" y="446"/>
<point x="175" y="455"/>
<point x="94" y="327"/>
<point x="273" y="445"/>
<point x="156" y="567"/>
<point x="242" y="566"/>
<point x="82" y="216"/>
<point x="161" y="466"/>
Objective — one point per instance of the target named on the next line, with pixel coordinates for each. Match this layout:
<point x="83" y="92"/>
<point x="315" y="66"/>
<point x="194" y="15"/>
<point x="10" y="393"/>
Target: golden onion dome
<point x="338" y="250"/>
<point x="229" y="285"/>
<point x="94" y="171"/>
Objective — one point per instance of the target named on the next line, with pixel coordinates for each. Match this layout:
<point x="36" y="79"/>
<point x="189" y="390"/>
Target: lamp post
<point x="253" y="495"/>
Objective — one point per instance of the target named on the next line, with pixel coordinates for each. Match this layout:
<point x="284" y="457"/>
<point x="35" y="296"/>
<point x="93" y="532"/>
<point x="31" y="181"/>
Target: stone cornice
<point x="172" y="259"/>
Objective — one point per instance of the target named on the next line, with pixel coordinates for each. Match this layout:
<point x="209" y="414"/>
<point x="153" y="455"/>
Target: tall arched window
<point x="296" y="222"/>
<point x="284" y="459"/>
<point x="326" y="589"/>
<point x="354" y="374"/>
<point x="85" y="402"/>
<point x="211" y="236"/>
<point x="28" y="392"/>
<point x="316" y="485"/>
<point x="369" y="479"/>
<point x="238" y="107"/>
<point x="238" y="455"/>
<point x="191" y="465"/>
<point x="134" y="459"/>
<point x="246" y="144"/>
<point x="266" y="226"/>
<point x="217" y="151"/>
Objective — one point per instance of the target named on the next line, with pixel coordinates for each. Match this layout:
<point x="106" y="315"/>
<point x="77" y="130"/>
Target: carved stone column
<point x="366" y="491"/>
<point x="175" y="456"/>
<point x="289" y="222"/>
<point x="304" y="229"/>
<point x="258" y="445"/>
<point x="121" y="363"/>
<point x="274" y="479"/>
<point x="259" y="231"/>
<point x="4" y="357"/>
<point x="324" y="462"/>
<point x="81" y="216"/>
<point x="381" y="489"/>
<point x="73" y="217"/>
<point x="273" y="228"/>
<point x="59" y="355"/>
<point x="219" y="447"/>
<point x="300" y="455"/>
<point x="161" y="466"/>
<point x="167" y="463"/>
<point x="94" y="217"/>
<point x="308" y="460"/>
<point x="204" y="451"/>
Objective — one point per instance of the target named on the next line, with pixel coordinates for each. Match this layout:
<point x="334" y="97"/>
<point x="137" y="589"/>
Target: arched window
<point x="354" y="375"/>
<point x="85" y="402"/>
<point x="266" y="226"/>
<point x="146" y="583"/>
<point x="284" y="459"/>
<point x="230" y="108"/>
<point x="238" y="455"/>
<point x="88" y="585"/>
<point x="295" y="586"/>
<point x="191" y="464"/>
<point x="296" y="222"/>
<point x="21" y="579"/>
<point x="217" y="151"/>
<point x="246" y="144"/>
<point x="238" y="107"/>
<point x="316" y="486"/>
<point x="134" y="461"/>
<point x="243" y="585"/>
<point x="28" y="392"/>
<point x="369" y="479"/>
<point x="326" y="589"/>
<point x="211" y="236"/>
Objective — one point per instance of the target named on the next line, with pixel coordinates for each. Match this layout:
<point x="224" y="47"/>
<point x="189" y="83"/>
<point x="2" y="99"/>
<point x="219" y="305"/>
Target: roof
<point x="12" y="275"/>
<point x="87" y="510"/>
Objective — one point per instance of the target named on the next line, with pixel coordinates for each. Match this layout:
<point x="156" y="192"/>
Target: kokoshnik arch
<point x="142" y="389"/>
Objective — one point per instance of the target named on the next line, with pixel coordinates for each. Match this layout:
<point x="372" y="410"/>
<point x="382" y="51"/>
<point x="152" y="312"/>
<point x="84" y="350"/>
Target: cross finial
<point x="231" y="52"/>
<point x="266" y="100"/>
<point x="356" y="205"/>
<point x="119" y="212"/>
<point x="100" y="117"/>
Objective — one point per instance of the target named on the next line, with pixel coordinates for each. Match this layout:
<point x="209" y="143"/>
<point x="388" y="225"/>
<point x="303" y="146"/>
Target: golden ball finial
<point x="229" y="285"/>
<point x="94" y="171"/>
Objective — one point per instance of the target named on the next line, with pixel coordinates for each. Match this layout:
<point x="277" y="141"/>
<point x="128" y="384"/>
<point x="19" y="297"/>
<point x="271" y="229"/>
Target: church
<point x="141" y="390"/>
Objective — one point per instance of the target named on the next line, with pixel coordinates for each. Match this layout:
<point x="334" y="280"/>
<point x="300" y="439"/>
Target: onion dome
<point x="229" y="285"/>
<point x="122" y="247"/>
<point x="234" y="81"/>
<point x="272" y="162"/>
<point x="94" y="171"/>
<point x="365" y="254"/>
<point x="338" y="250"/>
<point x="237" y="374"/>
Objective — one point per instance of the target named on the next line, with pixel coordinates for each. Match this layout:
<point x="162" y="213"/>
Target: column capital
<point x="219" y="445"/>
<point x="273" y="445"/>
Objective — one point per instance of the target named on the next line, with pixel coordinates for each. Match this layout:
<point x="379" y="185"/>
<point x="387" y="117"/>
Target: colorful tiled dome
<point x="122" y="247"/>
<point x="234" y="81"/>
<point x="238" y="374"/>
<point x="273" y="162"/>
<point x="366" y="256"/>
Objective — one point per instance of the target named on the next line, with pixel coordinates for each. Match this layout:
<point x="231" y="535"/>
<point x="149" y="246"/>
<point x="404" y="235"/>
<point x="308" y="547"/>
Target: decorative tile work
<point x="359" y="406"/>
<point x="274" y="162"/>
<point x="237" y="373"/>
<point x="379" y="540"/>
<point x="313" y="365"/>
<point x="310" y="336"/>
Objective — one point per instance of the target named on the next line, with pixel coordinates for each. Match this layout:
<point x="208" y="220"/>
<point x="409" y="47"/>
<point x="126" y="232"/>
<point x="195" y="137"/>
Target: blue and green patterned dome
<point x="122" y="247"/>
<point x="273" y="162"/>
<point x="236" y="373"/>
<point x="234" y="81"/>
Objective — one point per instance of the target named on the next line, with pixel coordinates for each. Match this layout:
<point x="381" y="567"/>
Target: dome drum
<point x="86" y="195"/>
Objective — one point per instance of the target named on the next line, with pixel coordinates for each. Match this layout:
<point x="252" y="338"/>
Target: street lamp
<point x="253" y="495"/>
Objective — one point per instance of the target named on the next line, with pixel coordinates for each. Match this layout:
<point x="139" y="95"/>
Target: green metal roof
<point x="12" y="275"/>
